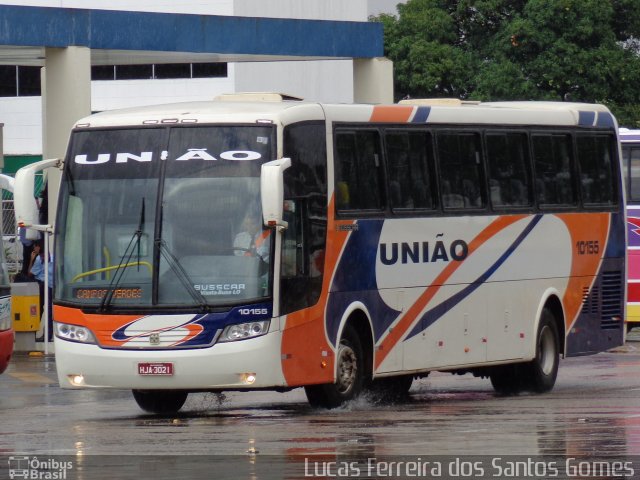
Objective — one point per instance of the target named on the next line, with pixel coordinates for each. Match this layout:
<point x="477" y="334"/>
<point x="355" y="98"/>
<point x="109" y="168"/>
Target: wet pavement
<point x="593" y="412"/>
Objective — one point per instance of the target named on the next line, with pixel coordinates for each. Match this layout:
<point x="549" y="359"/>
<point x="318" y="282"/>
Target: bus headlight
<point x="74" y="333"/>
<point x="243" y="331"/>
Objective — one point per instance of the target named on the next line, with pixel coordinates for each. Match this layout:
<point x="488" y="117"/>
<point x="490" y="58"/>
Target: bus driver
<point x="252" y="240"/>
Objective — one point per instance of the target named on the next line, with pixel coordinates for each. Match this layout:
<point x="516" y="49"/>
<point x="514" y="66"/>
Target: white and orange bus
<point x="391" y="241"/>
<point x="630" y="141"/>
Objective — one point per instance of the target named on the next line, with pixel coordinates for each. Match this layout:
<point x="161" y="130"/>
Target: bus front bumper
<point x="241" y="365"/>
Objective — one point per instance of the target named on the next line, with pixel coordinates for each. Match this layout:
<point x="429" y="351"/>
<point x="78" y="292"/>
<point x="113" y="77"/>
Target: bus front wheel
<point x="161" y="402"/>
<point x="350" y="374"/>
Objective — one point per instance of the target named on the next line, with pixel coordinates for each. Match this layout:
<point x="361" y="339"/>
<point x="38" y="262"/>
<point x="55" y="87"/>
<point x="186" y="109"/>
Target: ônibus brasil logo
<point x="33" y="468"/>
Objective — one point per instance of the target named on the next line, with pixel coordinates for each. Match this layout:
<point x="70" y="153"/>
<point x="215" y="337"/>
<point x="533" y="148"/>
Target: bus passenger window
<point x="410" y="169"/>
<point x="461" y="176"/>
<point x="508" y="162"/>
<point x="634" y="173"/>
<point x="596" y="169"/>
<point x="555" y="185"/>
<point x="358" y="170"/>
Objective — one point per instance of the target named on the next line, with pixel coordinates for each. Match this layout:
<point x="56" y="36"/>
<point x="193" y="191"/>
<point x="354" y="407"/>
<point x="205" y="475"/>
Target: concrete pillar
<point x="373" y="80"/>
<point x="1" y="148"/>
<point x="66" y="98"/>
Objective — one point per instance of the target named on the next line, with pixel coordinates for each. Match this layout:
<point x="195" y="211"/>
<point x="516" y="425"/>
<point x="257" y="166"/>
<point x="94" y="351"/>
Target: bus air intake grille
<point x="611" y="301"/>
<point x="591" y="300"/>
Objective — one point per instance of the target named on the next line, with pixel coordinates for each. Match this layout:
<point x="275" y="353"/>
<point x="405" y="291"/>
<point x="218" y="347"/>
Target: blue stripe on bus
<point x="355" y="279"/>
<point x="586" y="119"/>
<point x="616" y="242"/>
<point x="605" y="119"/>
<point x="438" y="311"/>
<point x="421" y="115"/>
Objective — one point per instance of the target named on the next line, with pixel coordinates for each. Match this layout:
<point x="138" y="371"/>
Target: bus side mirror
<point x="26" y="208"/>
<point x="272" y="192"/>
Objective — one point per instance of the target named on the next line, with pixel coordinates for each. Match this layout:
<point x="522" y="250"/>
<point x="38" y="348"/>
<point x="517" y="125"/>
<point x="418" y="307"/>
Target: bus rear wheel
<point x="350" y="374"/>
<point x="163" y="402"/>
<point x="540" y="374"/>
<point x="505" y="379"/>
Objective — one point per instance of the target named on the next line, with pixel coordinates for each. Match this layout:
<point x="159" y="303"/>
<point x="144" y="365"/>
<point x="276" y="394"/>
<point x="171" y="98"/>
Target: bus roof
<point x="222" y="111"/>
<point x="628" y="135"/>
<point x="278" y="109"/>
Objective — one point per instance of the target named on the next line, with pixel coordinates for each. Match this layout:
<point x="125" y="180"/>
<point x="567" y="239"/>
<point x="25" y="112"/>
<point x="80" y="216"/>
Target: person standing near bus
<point x="36" y="270"/>
<point x="27" y="249"/>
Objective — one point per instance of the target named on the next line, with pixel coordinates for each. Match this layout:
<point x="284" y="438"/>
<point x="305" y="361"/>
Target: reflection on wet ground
<point x="594" y="409"/>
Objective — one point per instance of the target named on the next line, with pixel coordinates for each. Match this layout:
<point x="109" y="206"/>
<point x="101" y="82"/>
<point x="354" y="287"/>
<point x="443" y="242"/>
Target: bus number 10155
<point x="588" y="247"/>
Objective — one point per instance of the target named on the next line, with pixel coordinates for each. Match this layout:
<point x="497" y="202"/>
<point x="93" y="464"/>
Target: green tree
<point x="425" y="46"/>
<point x="578" y="50"/>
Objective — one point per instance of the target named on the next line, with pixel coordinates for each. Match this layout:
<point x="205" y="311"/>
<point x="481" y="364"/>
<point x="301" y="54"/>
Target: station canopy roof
<point x="122" y="37"/>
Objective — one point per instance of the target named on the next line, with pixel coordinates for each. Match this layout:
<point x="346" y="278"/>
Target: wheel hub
<point x="347" y="369"/>
<point x="547" y="351"/>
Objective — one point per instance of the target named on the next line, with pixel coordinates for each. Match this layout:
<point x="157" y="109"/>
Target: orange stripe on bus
<point x="101" y="325"/>
<point x="583" y="227"/>
<point x="391" y="113"/>
<point x="75" y="316"/>
<point x="416" y="309"/>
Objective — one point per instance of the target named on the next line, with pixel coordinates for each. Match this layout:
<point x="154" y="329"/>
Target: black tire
<point x="350" y="374"/>
<point x="540" y="374"/>
<point x="163" y="402"/>
<point x="505" y="379"/>
<point x="391" y="389"/>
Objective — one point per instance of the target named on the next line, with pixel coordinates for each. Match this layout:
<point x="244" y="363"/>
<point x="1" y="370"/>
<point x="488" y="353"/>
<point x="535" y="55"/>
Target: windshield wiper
<point x="124" y="262"/>
<point x="181" y="273"/>
<point x="139" y="231"/>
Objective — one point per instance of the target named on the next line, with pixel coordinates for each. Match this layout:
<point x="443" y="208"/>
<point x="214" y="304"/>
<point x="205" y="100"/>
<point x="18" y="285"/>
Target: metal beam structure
<point x="26" y="31"/>
<point x="68" y="41"/>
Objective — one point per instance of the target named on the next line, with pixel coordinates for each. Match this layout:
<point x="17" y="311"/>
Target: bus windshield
<point x="163" y="216"/>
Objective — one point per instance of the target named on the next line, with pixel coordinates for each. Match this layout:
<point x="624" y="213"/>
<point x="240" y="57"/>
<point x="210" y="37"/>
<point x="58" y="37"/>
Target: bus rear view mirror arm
<point x="272" y="192"/>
